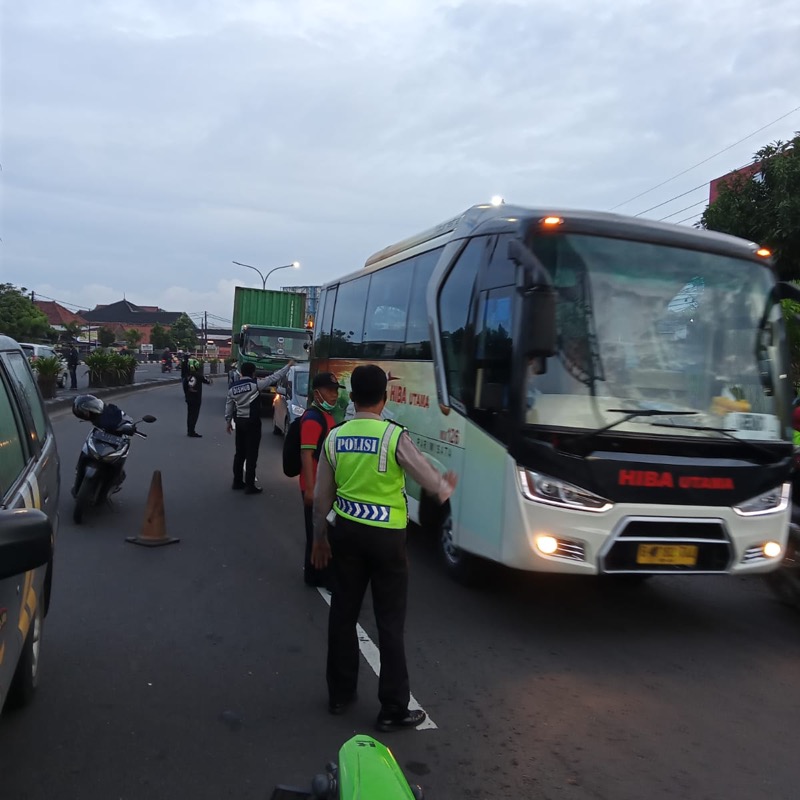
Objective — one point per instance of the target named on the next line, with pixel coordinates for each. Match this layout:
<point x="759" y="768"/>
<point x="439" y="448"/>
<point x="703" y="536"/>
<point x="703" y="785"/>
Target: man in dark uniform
<point x="72" y="364"/>
<point x="244" y="405"/>
<point x="193" y="380"/>
<point x="361" y="477"/>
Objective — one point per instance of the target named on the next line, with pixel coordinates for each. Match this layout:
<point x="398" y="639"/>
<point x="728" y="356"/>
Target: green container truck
<point x="268" y="331"/>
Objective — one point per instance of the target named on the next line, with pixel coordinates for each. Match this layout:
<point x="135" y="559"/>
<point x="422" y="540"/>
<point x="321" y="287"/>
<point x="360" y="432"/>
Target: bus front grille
<point x="668" y="546"/>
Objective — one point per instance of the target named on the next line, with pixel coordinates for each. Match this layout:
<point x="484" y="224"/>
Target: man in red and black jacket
<point x="314" y="427"/>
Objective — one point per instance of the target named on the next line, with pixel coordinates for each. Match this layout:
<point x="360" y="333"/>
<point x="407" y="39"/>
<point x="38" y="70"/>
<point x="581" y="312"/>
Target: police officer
<point x="244" y="403"/>
<point x="193" y="380"/>
<point x="361" y="477"/>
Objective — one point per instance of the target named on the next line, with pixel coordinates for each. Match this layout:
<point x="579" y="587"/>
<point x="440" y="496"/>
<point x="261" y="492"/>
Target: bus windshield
<point x="645" y="326"/>
<point x="271" y="343"/>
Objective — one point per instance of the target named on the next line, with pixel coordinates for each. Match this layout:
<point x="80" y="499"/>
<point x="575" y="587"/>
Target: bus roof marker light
<point x="552" y="221"/>
<point x="497" y="200"/>
<point x="764" y="252"/>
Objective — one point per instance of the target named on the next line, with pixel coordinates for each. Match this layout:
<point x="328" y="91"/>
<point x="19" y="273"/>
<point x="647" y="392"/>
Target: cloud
<point x="149" y="144"/>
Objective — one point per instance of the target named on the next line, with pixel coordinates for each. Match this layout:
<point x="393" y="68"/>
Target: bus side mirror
<point x="538" y="330"/>
<point x="237" y="338"/>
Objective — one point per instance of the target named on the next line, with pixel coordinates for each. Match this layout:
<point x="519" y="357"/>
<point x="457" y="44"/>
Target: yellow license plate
<point x="684" y="555"/>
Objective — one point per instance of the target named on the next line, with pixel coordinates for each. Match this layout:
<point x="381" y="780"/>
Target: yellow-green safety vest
<point x="370" y="484"/>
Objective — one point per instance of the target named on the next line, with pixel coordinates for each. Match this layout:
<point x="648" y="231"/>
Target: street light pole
<point x="294" y="265"/>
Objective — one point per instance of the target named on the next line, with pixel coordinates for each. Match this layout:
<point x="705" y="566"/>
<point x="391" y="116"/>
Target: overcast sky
<point x="146" y="145"/>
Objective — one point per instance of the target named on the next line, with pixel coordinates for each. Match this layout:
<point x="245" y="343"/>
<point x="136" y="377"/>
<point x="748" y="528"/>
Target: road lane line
<point x="373" y="657"/>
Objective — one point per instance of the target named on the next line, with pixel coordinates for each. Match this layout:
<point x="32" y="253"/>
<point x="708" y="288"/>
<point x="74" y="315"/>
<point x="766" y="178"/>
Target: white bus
<point x="612" y="392"/>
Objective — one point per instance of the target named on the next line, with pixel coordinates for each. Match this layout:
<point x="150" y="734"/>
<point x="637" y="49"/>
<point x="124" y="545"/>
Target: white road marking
<point x="373" y="657"/>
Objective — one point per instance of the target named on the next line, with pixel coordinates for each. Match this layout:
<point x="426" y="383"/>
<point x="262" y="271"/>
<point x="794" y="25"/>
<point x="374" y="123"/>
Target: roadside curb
<point x="57" y="403"/>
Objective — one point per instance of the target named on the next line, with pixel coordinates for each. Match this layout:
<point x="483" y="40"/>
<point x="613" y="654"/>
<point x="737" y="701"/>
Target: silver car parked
<point x="29" y="488"/>
<point x="291" y="399"/>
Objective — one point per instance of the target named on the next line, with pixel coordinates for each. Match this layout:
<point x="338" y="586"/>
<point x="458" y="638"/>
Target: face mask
<point x="325" y="405"/>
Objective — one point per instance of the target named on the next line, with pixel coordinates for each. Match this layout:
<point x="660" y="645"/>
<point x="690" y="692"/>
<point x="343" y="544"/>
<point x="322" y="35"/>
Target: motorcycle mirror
<point x="148" y="418"/>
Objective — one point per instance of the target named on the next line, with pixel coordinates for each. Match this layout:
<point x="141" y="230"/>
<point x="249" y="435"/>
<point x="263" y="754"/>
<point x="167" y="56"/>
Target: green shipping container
<point x="266" y="307"/>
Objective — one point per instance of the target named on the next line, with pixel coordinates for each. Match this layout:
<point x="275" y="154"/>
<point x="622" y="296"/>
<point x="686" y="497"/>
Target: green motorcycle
<point x="366" y="770"/>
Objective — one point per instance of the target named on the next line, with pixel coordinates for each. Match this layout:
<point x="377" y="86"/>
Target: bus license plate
<point x="684" y="555"/>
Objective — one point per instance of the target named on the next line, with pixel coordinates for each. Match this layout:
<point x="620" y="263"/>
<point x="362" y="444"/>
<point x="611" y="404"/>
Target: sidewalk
<point x="143" y="379"/>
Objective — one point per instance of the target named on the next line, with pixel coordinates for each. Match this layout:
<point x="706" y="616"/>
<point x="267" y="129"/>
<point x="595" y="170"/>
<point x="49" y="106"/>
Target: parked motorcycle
<point x="366" y="769"/>
<point x="101" y="465"/>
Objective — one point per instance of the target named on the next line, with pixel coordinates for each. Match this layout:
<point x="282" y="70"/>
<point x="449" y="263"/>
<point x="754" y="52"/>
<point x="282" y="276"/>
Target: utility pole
<point x="205" y="333"/>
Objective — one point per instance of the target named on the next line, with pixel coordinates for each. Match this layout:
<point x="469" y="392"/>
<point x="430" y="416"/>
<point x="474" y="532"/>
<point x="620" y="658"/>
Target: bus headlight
<point x="770" y="502"/>
<point x="554" y="492"/>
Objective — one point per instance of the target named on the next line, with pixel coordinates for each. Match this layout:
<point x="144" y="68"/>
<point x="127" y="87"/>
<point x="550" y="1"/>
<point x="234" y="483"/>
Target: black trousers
<point x="364" y="554"/>
<point x="248" y="440"/>
<point x="311" y="575"/>
<point x="73" y="377"/>
<point x="192" y="413"/>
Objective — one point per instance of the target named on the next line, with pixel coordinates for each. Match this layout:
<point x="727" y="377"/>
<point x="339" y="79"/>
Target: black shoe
<point x="238" y="485"/>
<point x="339" y="707"/>
<point x="411" y="719"/>
<point x="195" y="435"/>
<point x="251" y="488"/>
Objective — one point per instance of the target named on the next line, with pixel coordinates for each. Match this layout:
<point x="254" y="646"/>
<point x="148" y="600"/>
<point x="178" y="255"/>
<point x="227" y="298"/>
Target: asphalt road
<point x="197" y="670"/>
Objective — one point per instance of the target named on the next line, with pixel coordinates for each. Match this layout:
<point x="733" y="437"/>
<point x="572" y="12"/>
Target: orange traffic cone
<point x="154" y="529"/>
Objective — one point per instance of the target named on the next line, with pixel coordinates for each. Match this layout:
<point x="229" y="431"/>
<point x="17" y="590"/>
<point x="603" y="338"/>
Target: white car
<point x="34" y="351"/>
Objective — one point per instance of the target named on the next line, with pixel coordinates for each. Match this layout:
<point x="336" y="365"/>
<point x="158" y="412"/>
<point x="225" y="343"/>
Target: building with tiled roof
<point x="124" y="316"/>
<point x="130" y="315"/>
<point x="58" y="316"/>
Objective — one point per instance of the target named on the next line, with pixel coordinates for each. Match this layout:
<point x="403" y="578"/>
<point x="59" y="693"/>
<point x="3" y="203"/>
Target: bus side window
<point x="387" y="304"/>
<point x="322" y="341"/>
<point x="493" y="349"/>
<point x="418" y="337"/>
<point x="348" y="318"/>
<point x="456" y="317"/>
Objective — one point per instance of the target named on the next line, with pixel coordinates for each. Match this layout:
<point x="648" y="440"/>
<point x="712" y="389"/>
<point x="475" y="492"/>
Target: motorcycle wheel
<point x="83" y="499"/>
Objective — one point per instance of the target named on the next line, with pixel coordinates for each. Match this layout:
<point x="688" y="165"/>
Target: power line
<point x="680" y="211"/>
<point x="686" y="219"/>
<point x="677" y="196"/>
<point x="699" y="163"/>
<point x="60" y="302"/>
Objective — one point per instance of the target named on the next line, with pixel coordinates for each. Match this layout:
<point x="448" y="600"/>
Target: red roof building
<point x="57" y="315"/>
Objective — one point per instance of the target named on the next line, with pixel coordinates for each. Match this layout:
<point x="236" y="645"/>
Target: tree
<point x="184" y="333"/>
<point x="160" y="337"/>
<point x="765" y="207"/>
<point x="132" y="338"/>
<point x="72" y="330"/>
<point x="19" y="317"/>
<point x="106" y="337"/>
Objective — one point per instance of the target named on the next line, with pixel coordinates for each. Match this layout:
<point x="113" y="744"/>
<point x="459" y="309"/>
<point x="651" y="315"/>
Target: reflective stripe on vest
<point x="370" y="483"/>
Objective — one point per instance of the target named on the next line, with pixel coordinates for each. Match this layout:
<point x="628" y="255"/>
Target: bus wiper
<point x="729" y="432"/>
<point x="632" y="413"/>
